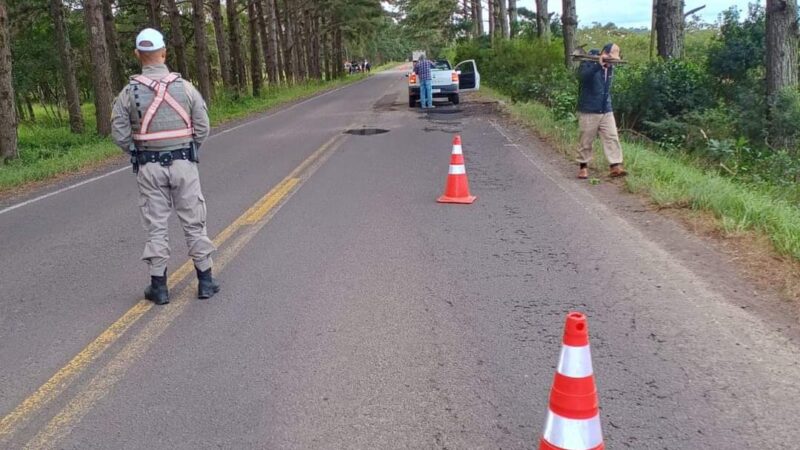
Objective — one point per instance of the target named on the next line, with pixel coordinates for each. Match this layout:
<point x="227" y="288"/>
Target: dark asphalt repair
<point x="366" y="131"/>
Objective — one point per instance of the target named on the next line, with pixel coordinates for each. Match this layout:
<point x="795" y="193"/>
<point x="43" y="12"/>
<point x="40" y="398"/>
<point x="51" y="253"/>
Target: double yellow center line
<point x="244" y="227"/>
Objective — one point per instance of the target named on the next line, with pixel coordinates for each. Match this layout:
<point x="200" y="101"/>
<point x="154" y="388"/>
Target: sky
<point x="635" y="13"/>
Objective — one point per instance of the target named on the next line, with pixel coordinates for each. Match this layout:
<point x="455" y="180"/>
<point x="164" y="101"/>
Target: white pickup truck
<point x="447" y="82"/>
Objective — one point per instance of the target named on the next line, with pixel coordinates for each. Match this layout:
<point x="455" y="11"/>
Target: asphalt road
<point x="356" y="312"/>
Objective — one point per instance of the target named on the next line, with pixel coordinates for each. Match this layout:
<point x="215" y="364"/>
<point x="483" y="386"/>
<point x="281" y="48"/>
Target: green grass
<point x="674" y="181"/>
<point x="48" y="149"/>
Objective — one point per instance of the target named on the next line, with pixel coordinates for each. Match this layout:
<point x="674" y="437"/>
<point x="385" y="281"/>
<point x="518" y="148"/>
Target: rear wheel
<point x="454" y="99"/>
<point x="412" y="101"/>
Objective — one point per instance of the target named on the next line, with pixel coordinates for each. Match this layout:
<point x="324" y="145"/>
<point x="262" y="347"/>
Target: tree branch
<point x="693" y="11"/>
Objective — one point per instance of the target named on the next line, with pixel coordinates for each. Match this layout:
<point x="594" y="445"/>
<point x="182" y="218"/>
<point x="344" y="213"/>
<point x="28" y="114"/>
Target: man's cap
<point x="149" y="40"/>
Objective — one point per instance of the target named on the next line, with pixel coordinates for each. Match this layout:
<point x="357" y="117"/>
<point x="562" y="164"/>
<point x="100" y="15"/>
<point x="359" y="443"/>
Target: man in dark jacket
<point x="595" y="115"/>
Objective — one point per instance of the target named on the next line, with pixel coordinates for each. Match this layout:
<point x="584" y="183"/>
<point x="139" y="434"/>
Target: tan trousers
<point x="606" y="126"/>
<point x="160" y="189"/>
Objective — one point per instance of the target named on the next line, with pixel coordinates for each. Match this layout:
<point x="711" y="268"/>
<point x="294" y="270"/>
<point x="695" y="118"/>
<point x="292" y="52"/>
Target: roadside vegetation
<point x="700" y="130"/>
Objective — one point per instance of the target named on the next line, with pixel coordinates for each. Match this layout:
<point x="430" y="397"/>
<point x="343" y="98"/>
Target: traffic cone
<point x="573" y="420"/>
<point x="457" y="188"/>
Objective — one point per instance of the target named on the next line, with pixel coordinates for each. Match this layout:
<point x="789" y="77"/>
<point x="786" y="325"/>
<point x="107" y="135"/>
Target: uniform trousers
<point x="160" y="189"/>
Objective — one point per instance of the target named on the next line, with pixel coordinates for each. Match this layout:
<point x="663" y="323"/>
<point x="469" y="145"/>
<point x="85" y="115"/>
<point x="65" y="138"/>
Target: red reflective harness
<point x="160" y="88"/>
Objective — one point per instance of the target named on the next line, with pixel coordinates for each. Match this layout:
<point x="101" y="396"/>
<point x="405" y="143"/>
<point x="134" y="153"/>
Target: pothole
<point x="444" y="111"/>
<point x="366" y="131"/>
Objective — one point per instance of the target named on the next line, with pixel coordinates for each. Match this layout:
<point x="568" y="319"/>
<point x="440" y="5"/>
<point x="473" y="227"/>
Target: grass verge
<point x="671" y="181"/>
<point x="47" y="149"/>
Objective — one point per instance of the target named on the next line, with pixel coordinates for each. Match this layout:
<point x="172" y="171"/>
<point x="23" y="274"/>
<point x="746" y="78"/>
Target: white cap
<point x="149" y="40"/>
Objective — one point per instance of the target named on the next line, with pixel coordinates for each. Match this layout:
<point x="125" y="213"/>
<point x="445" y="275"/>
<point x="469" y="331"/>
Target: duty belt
<point x="164" y="158"/>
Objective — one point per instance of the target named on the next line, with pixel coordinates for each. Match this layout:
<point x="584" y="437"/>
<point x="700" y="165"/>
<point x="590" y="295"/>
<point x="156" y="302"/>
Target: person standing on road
<point x="161" y="120"/>
<point x="423" y="71"/>
<point x="595" y="115"/>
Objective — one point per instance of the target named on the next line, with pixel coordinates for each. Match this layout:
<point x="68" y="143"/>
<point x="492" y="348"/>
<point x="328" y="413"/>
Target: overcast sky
<point x="635" y="13"/>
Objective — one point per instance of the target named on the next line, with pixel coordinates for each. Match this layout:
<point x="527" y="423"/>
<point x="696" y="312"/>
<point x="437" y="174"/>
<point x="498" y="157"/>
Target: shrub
<point x="657" y="91"/>
<point x="525" y="70"/>
<point x="783" y="131"/>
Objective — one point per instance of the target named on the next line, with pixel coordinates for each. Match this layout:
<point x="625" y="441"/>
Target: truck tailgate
<point x="441" y="78"/>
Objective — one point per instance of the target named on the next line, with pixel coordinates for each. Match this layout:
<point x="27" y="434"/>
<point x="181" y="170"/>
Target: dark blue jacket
<point x="595" y="88"/>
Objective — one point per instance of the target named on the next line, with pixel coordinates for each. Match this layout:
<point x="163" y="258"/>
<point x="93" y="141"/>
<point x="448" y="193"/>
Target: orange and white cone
<point x="457" y="188"/>
<point x="573" y="420"/>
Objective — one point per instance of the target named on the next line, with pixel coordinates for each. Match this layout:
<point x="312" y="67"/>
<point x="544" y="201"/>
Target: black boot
<point x="157" y="292"/>
<point x="206" y="286"/>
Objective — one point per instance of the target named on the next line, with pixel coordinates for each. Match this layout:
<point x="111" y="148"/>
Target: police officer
<point x="161" y="119"/>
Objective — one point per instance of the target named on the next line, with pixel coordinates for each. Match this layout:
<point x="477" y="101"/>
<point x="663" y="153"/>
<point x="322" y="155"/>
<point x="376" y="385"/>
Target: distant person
<point x="595" y="115"/>
<point x="367" y="67"/>
<point x="161" y="119"/>
<point x="423" y="70"/>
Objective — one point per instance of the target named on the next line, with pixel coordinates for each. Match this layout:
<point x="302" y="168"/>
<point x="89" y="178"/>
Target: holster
<point x="193" y="153"/>
<point x="134" y="159"/>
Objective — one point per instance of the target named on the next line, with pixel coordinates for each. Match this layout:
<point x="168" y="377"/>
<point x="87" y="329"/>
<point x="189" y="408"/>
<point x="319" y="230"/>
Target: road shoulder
<point x="735" y="265"/>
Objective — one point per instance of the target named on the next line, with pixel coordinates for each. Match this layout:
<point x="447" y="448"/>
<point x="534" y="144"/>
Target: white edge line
<point x="90" y="180"/>
<point x="64" y="189"/>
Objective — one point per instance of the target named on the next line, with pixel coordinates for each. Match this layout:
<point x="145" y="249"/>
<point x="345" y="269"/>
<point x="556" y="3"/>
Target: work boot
<point x="206" y="286"/>
<point x="617" y="171"/>
<point x="583" y="173"/>
<point x="158" y="292"/>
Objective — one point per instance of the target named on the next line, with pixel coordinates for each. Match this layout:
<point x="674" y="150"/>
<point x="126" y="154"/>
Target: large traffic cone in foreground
<point x="573" y="420"/>
<point x="457" y="188"/>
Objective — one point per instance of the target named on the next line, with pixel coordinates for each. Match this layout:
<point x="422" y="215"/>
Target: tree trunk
<point x="653" y="24"/>
<point x="479" y="16"/>
<point x="542" y="20"/>
<point x="235" y="32"/>
<point x="273" y="68"/>
<point x="101" y="70"/>
<point x="154" y="14"/>
<point x="502" y="14"/>
<point x="327" y="53"/>
<point x="316" y="50"/>
<point x="513" y="17"/>
<point x="255" y="60"/>
<point x="201" y="49"/>
<point x="264" y="35"/>
<point x="112" y="44"/>
<point x="29" y="105"/>
<point x="491" y="19"/>
<point x="338" y="52"/>
<point x="178" y="41"/>
<point x="286" y="52"/>
<point x="8" y="116"/>
<point x="67" y="67"/>
<point x="569" y="21"/>
<point x="290" y="51"/>
<point x="222" y="44"/>
<point x="20" y="111"/>
<point x="782" y="40"/>
<point x="669" y="28"/>
<point x="474" y="14"/>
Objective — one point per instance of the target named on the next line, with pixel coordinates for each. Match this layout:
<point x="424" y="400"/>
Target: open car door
<point x="468" y="77"/>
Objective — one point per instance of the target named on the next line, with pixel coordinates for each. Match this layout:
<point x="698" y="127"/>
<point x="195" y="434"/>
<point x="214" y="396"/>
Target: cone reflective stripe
<point x="457" y="170"/>
<point x="568" y="434"/>
<point x="457" y="188"/>
<point x="457" y="145"/>
<point x="573" y="419"/>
